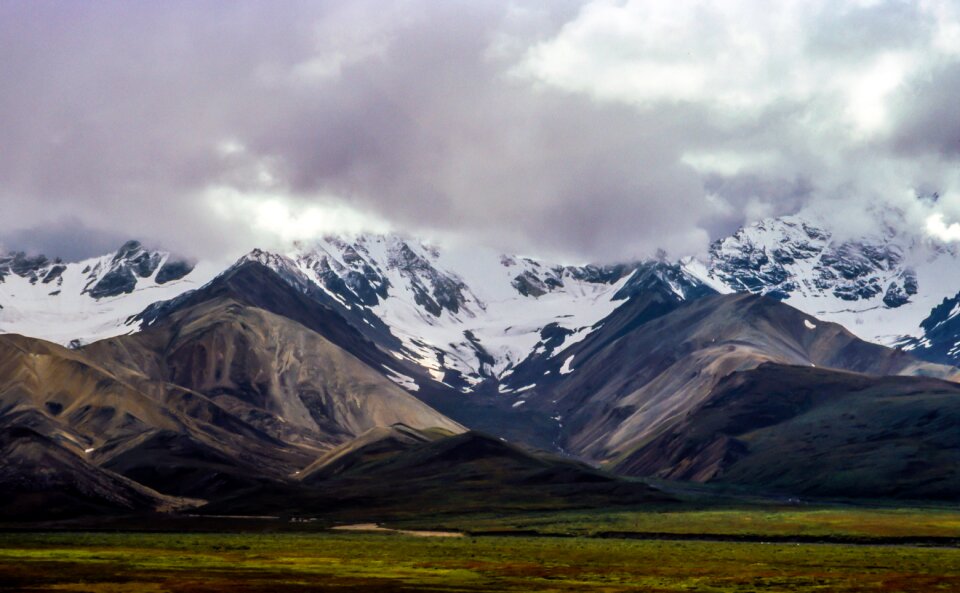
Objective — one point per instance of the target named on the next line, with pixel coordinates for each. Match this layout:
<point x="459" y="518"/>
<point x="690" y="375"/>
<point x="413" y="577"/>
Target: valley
<point x="581" y="413"/>
<point x="427" y="296"/>
<point x="336" y="561"/>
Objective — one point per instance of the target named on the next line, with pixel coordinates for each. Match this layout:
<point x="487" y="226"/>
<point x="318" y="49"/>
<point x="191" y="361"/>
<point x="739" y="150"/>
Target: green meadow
<point x="385" y="562"/>
<point x="828" y="523"/>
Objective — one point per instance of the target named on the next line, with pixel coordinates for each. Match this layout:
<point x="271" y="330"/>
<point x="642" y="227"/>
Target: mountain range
<point x="380" y="372"/>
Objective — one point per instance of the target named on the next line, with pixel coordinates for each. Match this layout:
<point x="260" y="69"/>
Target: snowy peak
<point x="881" y="287"/>
<point x="787" y="256"/>
<point x="32" y="267"/>
<point x="469" y="316"/>
<point x="433" y="289"/>
<point x="681" y="281"/>
<point x="465" y="315"/>
<point x="362" y="272"/>
<point x="106" y="276"/>
<point x="756" y="258"/>
<point x="78" y="302"/>
<point x="130" y="264"/>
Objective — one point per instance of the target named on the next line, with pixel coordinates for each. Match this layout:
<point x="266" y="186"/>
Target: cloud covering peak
<point x="588" y="130"/>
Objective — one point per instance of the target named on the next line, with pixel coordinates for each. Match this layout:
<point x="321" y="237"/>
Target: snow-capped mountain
<point x="471" y="316"/>
<point x="466" y="314"/>
<point x="881" y="287"/>
<point x="80" y="302"/>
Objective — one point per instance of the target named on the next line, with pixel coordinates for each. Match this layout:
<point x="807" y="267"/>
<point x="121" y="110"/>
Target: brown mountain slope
<point x="75" y="401"/>
<point x="371" y="447"/>
<point x="814" y="431"/>
<point x="269" y="370"/>
<point x="86" y="399"/>
<point x="41" y="479"/>
<point x="216" y="398"/>
<point x="397" y="472"/>
<point x="627" y="390"/>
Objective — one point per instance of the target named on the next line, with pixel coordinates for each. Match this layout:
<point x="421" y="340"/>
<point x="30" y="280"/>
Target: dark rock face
<point x="362" y="282"/>
<point x="130" y="262"/>
<point x="899" y="291"/>
<point x="528" y="284"/>
<point x="752" y="268"/>
<point x="600" y="274"/>
<point x="23" y="265"/>
<point x="118" y="281"/>
<point x="173" y="270"/>
<point x="553" y="335"/>
<point x="813" y="431"/>
<point x="664" y="279"/>
<point x="538" y="279"/>
<point x="432" y="290"/>
<point x="54" y="273"/>
<point x="760" y="259"/>
<point x="941" y="334"/>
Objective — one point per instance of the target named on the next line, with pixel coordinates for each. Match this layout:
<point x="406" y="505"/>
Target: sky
<point x="593" y="130"/>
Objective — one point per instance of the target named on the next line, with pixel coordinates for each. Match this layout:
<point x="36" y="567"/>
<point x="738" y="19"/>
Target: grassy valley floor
<point x="388" y="561"/>
<point x="828" y="524"/>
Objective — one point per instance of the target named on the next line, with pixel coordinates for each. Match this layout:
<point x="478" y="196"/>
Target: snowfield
<point x="477" y="313"/>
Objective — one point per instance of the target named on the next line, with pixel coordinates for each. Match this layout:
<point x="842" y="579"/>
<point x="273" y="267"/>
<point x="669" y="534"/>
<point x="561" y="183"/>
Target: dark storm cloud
<point x="928" y="124"/>
<point x="116" y="111"/>
<point x="67" y="236"/>
<point x="173" y="121"/>
<point x="740" y="193"/>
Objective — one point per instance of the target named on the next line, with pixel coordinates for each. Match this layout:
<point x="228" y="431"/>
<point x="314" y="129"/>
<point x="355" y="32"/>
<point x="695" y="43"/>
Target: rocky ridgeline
<point x="787" y="256"/>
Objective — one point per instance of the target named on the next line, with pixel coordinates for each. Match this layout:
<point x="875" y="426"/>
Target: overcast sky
<point x="595" y="130"/>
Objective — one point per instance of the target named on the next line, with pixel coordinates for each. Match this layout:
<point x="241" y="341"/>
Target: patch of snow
<point x="402" y="380"/>
<point x="519" y="403"/>
<point x="698" y="270"/>
<point x="808" y="324"/>
<point x="565" y="369"/>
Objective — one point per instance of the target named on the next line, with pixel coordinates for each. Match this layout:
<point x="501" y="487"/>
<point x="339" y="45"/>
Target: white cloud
<point x="736" y="58"/>
<point x="729" y="162"/>
<point x="867" y="92"/>
<point x="804" y="92"/>
<point x="938" y="228"/>
<point x="278" y="221"/>
<point x="645" y="52"/>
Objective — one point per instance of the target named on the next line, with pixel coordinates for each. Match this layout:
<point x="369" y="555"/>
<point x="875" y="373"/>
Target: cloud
<point x="275" y="218"/>
<point x="580" y="130"/>
<point x="62" y="236"/>
<point x="938" y="228"/>
<point x="822" y="106"/>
